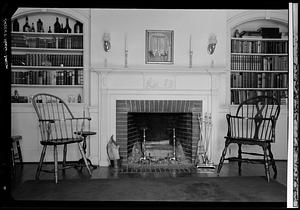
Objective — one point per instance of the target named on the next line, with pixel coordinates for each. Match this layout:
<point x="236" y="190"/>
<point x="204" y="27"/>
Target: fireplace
<point x="117" y="93"/>
<point x="160" y="117"/>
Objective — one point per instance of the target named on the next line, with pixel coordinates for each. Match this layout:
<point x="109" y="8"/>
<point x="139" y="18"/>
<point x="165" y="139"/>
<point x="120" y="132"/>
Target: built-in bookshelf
<point x="258" y="66"/>
<point x="47" y="56"/>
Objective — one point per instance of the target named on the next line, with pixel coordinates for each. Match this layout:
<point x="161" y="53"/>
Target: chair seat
<point x="247" y="140"/>
<point x="62" y="141"/>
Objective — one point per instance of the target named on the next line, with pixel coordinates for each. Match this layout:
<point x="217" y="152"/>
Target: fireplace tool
<point x="203" y="143"/>
<point x="144" y="144"/>
<point x="174" y="146"/>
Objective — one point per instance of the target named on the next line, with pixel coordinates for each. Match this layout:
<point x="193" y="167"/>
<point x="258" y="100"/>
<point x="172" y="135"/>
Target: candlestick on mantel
<point x="191" y="53"/>
<point x="125" y="42"/>
<point x="126" y="52"/>
<point x="190" y="43"/>
<point x="126" y="55"/>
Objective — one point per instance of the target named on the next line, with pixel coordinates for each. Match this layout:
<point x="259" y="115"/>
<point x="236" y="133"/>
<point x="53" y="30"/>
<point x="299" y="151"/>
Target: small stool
<point x="15" y="146"/>
<point x="85" y="134"/>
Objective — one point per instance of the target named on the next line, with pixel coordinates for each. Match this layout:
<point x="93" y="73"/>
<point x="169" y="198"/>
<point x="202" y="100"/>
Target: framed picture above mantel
<point x="159" y="47"/>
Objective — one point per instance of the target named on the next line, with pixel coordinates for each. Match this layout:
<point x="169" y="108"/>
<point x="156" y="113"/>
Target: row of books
<point x="247" y="46"/>
<point x="39" y="59"/>
<point x="254" y="62"/>
<point x="67" y="77"/>
<point x="259" y="80"/>
<point x="237" y="97"/>
<point x="72" y="42"/>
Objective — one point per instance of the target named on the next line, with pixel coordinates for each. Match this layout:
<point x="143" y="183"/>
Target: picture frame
<point x="159" y="47"/>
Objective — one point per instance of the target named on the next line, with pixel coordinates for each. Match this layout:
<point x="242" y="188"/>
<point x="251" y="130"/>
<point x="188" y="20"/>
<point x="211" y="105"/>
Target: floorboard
<point x="27" y="172"/>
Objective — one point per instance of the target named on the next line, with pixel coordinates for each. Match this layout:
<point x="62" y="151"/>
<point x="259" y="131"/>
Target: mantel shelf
<point x="177" y="69"/>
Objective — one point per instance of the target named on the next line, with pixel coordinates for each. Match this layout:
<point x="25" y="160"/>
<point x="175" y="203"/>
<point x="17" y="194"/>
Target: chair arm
<point x="250" y="118"/>
<point x="49" y="120"/>
<point x="82" y="118"/>
<point x="59" y="120"/>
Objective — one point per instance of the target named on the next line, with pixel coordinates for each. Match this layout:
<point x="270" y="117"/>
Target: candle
<point x="125" y="41"/>
<point x="190" y="43"/>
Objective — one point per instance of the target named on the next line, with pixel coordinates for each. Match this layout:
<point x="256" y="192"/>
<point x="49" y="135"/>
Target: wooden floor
<point x="27" y="172"/>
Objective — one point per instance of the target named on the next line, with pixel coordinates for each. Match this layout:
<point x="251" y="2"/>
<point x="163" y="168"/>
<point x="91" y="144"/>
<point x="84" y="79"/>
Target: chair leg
<point x="12" y="155"/>
<point x="240" y="159"/>
<point x="19" y="152"/>
<point x="38" y="171"/>
<point x="223" y="156"/>
<point x="55" y="164"/>
<point x="65" y="155"/>
<point x="272" y="161"/>
<point x="267" y="171"/>
<point x="84" y="158"/>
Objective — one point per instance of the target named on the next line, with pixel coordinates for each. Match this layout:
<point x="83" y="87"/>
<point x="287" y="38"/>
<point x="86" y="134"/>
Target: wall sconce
<point x="212" y="42"/>
<point x="106" y="42"/>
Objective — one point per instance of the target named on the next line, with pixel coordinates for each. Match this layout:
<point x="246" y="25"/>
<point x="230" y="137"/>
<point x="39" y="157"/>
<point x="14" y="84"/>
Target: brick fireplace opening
<point x="160" y="117"/>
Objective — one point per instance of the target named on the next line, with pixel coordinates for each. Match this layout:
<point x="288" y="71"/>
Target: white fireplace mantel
<point x="161" y="69"/>
<point x="163" y="78"/>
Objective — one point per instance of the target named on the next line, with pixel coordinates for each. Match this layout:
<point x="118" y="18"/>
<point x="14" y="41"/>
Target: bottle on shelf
<point x="26" y="27"/>
<point x="49" y="30"/>
<point x="79" y="98"/>
<point x="16" y="25"/>
<point x="78" y="27"/>
<point x="61" y="30"/>
<point x="56" y="26"/>
<point x="67" y="28"/>
<point x="32" y="28"/>
<point x="39" y="26"/>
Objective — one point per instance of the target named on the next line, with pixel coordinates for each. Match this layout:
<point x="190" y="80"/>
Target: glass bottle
<point x="67" y="29"/>
<point x="77" y="28"/>
<point x="26" y="27"/>
<point x="16" y="25"/>
<point x="56" y="26"/>
<point x="61" y="28"/>
<point x="79" y="98"/>
<point x="32" y="28"/>
<point x="39" y="26"/>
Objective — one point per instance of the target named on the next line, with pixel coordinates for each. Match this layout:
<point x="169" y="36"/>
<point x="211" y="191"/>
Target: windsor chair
<point x="253" y="125"/>
<point x="58" y="126"/>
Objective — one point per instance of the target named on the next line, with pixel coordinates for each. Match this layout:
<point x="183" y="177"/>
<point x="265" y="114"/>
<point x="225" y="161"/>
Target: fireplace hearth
<point x="161" y="137"/>
<point x="147" y="129"/>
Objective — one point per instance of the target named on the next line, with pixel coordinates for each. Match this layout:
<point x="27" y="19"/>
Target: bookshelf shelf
<point x="51" y="62"/>
<point x="258" y="66"/>
<point x="47" y="67"/>
<point x="261" y="71"/>
<point x="261" y="54"/>
<point x="259" y="39"/>
<point x="50" y="50"/>
<point x="41" y="34"/>
<point x="265" y="89"/>
<point x="46" y="86"/>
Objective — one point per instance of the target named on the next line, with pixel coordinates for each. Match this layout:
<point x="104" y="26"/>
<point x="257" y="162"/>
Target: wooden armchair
<point x="58" y="126"/>
<point x="253" y="124"/>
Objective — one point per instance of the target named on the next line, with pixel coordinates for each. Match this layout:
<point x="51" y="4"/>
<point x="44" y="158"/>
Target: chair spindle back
<point x="255" y="119"/>
<point x="56" y="120"/>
